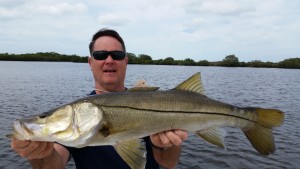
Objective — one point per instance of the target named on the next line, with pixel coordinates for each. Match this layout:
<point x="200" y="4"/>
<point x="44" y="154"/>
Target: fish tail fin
<point x="260" y="134"/>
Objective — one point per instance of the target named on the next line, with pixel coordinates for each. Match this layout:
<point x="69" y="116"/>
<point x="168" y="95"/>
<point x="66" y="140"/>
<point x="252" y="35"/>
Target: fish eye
<point x="42" y="116"/>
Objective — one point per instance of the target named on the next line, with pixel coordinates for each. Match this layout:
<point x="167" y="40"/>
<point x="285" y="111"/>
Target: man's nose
<point x="109" y="59"/>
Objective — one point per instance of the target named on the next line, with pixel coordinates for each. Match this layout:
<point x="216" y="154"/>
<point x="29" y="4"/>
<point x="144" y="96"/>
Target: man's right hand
<point x="41" y="155"/>
<point x="32" y="149"/>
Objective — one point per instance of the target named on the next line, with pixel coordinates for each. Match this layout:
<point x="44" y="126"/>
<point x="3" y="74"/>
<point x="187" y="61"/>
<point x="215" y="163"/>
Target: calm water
<point x="28" y="88"/>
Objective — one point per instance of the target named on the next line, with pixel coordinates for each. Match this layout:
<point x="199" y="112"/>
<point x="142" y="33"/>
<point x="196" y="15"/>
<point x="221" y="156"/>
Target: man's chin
<point x="110" y="83"/>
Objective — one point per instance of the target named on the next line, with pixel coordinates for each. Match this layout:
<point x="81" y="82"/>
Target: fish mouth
<point x="21" y="131"/>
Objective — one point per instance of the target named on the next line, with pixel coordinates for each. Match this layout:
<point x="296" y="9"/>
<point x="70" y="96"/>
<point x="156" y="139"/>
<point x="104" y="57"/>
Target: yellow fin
<point x="260" y="135"/>
<point x="141" y="83"/>
<point x="261" y="139"/>
<point x="133" y="152"/>
<point x="192" y="84"/>
<point x="141" y="86"/>
<point x="215" y="136"/>
<point x="270" y="117"/>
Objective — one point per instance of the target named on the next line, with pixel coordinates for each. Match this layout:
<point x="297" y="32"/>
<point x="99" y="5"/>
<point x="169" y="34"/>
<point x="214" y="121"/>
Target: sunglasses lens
<point x="102" y="55"/>
<point x="117" y="55"/>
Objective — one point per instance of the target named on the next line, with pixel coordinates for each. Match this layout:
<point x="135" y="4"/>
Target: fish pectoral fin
<point x="143" y="89"/>
<point x="213" y="136"/>
<point x="133" y="152"/>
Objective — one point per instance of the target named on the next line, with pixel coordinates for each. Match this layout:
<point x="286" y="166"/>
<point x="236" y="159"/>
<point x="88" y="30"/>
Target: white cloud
<point x="60" y="8"/>
<point x="221" y="7"/>
<point x="112" y="20"/>
<point x="180" y="28"/>
<point x="34" y="10"/>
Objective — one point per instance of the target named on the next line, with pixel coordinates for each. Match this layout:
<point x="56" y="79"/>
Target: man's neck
<point x="101" y="90"/>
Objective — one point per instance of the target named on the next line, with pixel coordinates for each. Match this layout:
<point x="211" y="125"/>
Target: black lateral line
<point x="169" y="111"/>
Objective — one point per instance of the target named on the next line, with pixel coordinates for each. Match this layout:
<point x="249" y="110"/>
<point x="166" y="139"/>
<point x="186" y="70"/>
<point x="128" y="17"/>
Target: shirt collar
<point x="94" y="91"/>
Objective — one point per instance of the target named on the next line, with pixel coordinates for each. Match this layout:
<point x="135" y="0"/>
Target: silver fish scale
<point x="135" y="115"/>
<point x="172" y="100"/>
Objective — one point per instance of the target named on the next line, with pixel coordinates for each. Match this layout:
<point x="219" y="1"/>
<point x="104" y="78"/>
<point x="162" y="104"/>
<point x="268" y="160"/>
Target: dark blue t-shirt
<point x="106" y="157"/>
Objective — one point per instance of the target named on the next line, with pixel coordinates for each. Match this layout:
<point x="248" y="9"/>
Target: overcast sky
<point x="266" y="30"/>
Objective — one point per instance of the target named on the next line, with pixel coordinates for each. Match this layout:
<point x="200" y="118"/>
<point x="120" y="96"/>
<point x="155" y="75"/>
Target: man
<point x="108" y="63"/>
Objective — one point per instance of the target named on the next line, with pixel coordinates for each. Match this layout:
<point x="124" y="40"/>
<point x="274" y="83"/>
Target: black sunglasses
<point x="102" y="55"/>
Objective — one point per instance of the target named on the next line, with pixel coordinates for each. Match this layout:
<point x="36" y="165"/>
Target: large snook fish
<point x="122" y="118"/>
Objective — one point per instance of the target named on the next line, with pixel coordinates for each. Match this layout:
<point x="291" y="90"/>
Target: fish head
<point x="43" y="125"/>
<point x="71" y="125"/>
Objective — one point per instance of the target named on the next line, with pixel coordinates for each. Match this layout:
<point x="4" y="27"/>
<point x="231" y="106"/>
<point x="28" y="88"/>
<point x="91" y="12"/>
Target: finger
<point x="173" y="138"/>
<point x="164" y="139"/>
<point x="182" y="134"/>
<point x="21" y="147"/>
<point x="155" y="139"/>
<point x="19" y="144"/>
<point x="26" y="151"/>
<point x="35" y="153"/>
<point x="43" y="150"/>
<point x="48" y="149"/>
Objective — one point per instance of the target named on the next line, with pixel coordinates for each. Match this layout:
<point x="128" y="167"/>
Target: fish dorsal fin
<point x="192" y="84"/>
<point x="133" y="152"/>
<point x="213" y="136"/>
<point x="140" y="83"/>
<point x="141" y="86"/>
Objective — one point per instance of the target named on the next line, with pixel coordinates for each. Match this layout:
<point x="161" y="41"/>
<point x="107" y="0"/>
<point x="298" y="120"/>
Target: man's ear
<point x="90" y="60"/>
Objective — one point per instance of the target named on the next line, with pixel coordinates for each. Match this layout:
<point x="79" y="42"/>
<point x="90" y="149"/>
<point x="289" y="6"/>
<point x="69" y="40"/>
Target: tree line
<point x="40" y="56"/>
<point x="228" y="61"/>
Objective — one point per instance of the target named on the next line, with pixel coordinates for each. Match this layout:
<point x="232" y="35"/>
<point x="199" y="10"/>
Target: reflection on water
<point x="33" y="87"/>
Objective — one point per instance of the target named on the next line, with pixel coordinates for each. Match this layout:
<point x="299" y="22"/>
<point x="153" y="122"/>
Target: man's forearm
<point x="167" y="158"/>
<point x="53" y="161"/>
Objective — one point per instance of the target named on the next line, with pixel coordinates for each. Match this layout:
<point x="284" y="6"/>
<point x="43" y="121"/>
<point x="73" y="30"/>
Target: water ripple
<point x="29" y="88"/>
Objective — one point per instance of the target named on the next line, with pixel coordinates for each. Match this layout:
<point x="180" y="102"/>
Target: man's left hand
<point x="169" y="138"/>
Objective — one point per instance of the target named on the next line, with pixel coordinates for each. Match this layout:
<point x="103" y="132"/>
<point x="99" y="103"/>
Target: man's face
<point x="109" y="74"/>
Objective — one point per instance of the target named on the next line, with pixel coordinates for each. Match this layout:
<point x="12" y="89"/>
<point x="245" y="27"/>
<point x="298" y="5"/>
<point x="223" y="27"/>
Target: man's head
<point x="109" y="72"/>
<point x="106" y="32"/>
